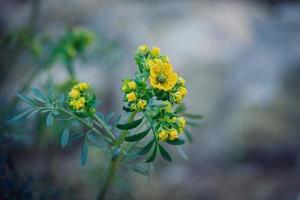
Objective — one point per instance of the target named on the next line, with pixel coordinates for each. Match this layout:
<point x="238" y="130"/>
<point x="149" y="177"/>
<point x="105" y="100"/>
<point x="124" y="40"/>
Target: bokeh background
<point x="241" y="60"/>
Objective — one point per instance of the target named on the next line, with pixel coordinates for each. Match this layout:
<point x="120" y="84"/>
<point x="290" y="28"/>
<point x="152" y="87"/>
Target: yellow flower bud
<point x="182" y="122"/>
<point x="78" y="104"/>
<point x="155" y="52"/>
<point x="173" y="134"/>
<point x="131" y="85"/>
<point x="143" y="49"/>
<point x="141" y="104"/>
<point x="181" y="81"/>
<point x="74" y="94"/>
<point x="83" y="86"/>
<point x="177" y="97"/>
<point x="162" y="135"/>
<point x="182" y="91"/>
<point x="165" y="59"/>
<point x="131" y="97"/>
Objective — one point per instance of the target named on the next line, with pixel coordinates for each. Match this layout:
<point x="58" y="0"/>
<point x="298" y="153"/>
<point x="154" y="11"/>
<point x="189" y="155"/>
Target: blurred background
<point x="241" y="60"/>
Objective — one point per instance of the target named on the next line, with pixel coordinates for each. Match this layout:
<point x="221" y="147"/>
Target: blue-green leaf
<point x="164" y="153"/>
<point x="39" y="95"/>
<point x="49" y="120"/>
<point x="84" y="152"/>
<point x="19" y="116"/>
<point x="26" y="99"/>
<point x="192" y="116"/>
<point x="188" y="135"/>
<point x="130" y="125"/>
<point x="138" y="136"/>
<point x="65" y="137"/>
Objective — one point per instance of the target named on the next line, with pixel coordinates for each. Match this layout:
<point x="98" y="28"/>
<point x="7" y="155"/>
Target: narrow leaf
<point x="176" y="142"/>
<point x="49" y="120"/>
<point x="138" y="136"/>
<point x="188" y="135"/>
<point x="130" y="125"/>
<point x="19" y="116"/>
<point x="153" y="155"/>
<point x="39" y="95"/>
<point x="192" y="116"/>
<point x="182" y="153"/>
<point x="147" y="148"/>
<point x="164" y="153"/>
<point x="26" y="99"/>
<point x="141" y="170"/>
<point x="84" y="152"/>
<point x="127" y="109"/>
<point x="65" y="137"/>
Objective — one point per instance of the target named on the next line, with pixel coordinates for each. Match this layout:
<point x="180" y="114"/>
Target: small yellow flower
<point x="131" y="97"/>
<point x="173" y="134"/>
<point x="141" y="104"/>
<point x="78" y="104"/>
<point x="181" y="81"/>
<point x="131" y="85"/>
<point x="143" y="49"/>
<point x="162" y="75"/>
<point x="74" y="93"/>
<point x="155" y="51"/>
<point x="162" y="135"/>
<point x="83" y="86"/>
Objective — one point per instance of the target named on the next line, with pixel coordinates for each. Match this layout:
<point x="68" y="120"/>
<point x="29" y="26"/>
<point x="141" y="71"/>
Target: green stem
<point x="114" y="165"/>
<point x="105" y="127"/>
<point x="86" y="124"/>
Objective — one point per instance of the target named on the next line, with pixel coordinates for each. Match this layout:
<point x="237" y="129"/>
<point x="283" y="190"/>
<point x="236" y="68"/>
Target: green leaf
<point x="147" y="148"/>
<point x="95" y="140"/>
<point x="164" y="153"/>
<point x="49" y="120"/>
<point x="65" y="137"/>
<point x="192" y="116"/>
<point x="153" y="155"/>
<point x="127" y="109"/>
<point x="26" y="99"/>
<point x="176" y="142"/>
<point x="193" y="124"/>
<point x="19" y="116"/>
<point x="138" y="136"/>
<point x="141" y="170"/>
<point x="188" y="135"/>
<point x="39" y="95"/>
<point x="130" y="125"/>
<point x="84" y="152"/>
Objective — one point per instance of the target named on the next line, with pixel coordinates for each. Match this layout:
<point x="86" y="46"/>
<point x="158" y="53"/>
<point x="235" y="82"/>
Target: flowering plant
<point x="153" y="107"/>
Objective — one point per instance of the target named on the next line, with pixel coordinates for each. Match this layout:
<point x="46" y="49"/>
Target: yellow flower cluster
<point x="76" y="97"/>
<point x="130" y="89"/>
<point x="165" y="134"/>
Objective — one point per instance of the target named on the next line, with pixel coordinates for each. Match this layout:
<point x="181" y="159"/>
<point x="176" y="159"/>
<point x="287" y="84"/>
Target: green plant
<point x="153" y="107"/>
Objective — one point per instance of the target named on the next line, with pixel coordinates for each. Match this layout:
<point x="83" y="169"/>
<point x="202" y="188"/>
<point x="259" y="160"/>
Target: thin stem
<point x="114" y="165"/>
<point x="105" y="127"/>
<point x="86" y="124"/>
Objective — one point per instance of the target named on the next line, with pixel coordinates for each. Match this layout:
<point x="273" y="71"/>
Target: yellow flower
<point x="82" y="86"/>
<point x="181" y="81"/>
<point x="182" y="91"/>
<point x="131" y="85"/>
<point x="162" y="75"/>
<point x="173" y="134"/>
<point x="131" y="97"/>
<point x="78" y="104"/>
<point x="165" y="59"/>
<point x="143" y="49"/>
<point x="141" y="104"/>
<point x="74" y="93"/>
<point x="162" y="135"/>
<point x="155" y="52"/>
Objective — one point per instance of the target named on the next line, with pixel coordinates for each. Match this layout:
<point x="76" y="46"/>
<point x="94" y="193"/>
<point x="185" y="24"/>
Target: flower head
<point x="131" y="97"/>
<point x="162" y="75"/>
<point x="74" y="93"/>
<point x="162" y="135"/>
<point x="143" y="49"/>
<point x="173" y="134"/>
<point x="155" y="51"/>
